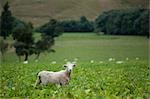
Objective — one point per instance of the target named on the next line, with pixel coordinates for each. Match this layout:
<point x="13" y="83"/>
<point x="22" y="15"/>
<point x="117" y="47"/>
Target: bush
<point x="52" y="28"/>
<point x="24" y="39"/>
<point x="6" y="21"/>
<point x="124" y="22"/>
<point x="82" y="25"/>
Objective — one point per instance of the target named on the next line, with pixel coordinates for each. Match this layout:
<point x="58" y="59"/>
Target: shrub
<point x="123" y="22"/>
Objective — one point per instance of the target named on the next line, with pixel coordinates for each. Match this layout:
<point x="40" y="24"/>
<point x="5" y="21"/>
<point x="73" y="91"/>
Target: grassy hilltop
<point x="40" y="11"/>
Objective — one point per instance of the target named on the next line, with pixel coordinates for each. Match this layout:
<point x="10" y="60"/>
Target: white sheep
<point x="60" y="78"/>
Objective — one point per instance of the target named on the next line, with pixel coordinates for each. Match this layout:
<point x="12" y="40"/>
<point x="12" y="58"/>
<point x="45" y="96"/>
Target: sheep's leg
<point x="64" y="81"/>
<point x="60" y="84"/>
<point x="38" y="81"/>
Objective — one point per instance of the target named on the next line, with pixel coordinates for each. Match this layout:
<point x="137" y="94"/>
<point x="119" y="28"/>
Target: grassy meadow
<point x="107" y="67"/>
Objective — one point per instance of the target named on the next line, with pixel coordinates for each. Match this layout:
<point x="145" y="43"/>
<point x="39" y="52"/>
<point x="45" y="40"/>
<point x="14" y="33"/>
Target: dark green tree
<point x="141" y="24"/>
<point x="6" y="21"/>
<point x="52" y="28"/>
<point x="124" y="22"/>
<point x="83" y="19"/>
<point x="24" y="40"/>
<point x="49" y="31"/>
<point x="85" y="25"/>
<point x="43" y="45"/>
<point x="82" y="25"/>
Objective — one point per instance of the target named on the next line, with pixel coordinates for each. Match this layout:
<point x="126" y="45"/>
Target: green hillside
<point x="40" y="11"/>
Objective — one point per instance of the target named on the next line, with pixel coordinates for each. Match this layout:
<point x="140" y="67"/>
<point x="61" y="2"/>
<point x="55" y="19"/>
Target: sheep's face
<point x="69" y="66"/>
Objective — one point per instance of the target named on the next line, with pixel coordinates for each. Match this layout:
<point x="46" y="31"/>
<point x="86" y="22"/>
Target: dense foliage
<point x="44" y="44"/>
<point x="48" y="32"/>
<point x="6" y="21"/>
<point x="25" y="43"/>
<point x="82" y="25"/>
<point x="24" y="39"/>
<point x="124" y="22"/>
<point x="52" y="28"/>
<point x="114" y="22"/>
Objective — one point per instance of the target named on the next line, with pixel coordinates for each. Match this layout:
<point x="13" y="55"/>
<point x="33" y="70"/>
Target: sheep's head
<point x="69" y="66"/>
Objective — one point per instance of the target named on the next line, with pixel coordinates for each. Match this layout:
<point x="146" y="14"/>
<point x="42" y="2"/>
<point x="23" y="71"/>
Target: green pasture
<point x="89" y="46"/>
<point x="94" y="77"/>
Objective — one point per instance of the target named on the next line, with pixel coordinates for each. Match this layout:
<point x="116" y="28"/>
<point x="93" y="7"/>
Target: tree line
<point x="124" y="22"/>
<point x="115" y="22"/>
<point x="82" y="25"/>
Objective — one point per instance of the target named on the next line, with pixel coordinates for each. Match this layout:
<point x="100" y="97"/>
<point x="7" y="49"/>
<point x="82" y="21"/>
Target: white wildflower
<point x="92" y="61"/>
<point x="137" y="58"/>
<point x="53" y="62"/>
<point x="36" y="60"/>
<point x="127" y="58"/>
<point x="111" y="59"/>
<point x="65" y="60"/>
<point x="101" y="62"/>
<point x="75" y="59"/>
<point x="119" y="62"/>
<point x="25" y="62"/>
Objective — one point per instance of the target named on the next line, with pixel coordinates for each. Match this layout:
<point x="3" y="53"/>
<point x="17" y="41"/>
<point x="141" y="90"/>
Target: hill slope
<point x="40" y="11"/>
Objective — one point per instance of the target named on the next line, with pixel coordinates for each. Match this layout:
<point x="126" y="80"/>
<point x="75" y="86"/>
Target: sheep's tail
<point x="38" y="81"/>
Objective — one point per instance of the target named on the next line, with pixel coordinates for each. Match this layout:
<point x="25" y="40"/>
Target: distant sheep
<point x="60" y="78"/>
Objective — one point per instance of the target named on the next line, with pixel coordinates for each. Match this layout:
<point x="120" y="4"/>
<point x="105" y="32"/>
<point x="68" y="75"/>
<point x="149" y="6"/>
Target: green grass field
<point x="94" y="77"/>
